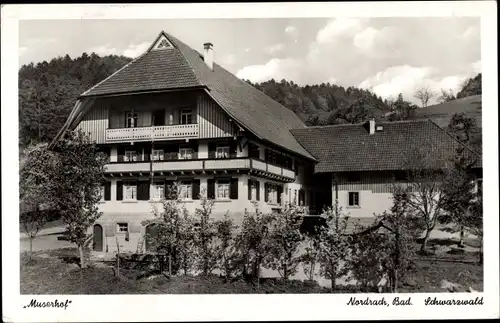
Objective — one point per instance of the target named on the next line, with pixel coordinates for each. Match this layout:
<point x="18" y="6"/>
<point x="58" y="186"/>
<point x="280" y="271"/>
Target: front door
<point x="97" y="245"/>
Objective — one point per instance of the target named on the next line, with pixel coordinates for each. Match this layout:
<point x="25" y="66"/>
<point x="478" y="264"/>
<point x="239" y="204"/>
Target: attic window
<point x="379" y="128"/>
<point x="162" y="43"/>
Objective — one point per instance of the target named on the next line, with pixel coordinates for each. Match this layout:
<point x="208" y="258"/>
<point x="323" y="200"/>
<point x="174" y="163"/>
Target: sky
<point x="386" y="55"/>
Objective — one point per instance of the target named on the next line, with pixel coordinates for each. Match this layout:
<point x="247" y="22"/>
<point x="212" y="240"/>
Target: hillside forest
<point x="48" y="91"/>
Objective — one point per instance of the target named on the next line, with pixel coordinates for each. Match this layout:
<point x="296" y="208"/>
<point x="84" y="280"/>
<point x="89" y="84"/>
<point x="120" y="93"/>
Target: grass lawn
<point x="55" y="272"/>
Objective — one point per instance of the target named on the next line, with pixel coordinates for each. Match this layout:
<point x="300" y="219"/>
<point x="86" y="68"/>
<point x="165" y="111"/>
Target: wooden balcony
<point x="152" y="133"/>
<point x="178" y="166"/>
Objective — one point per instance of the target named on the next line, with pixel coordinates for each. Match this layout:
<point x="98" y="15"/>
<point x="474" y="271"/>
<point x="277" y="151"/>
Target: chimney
<point x="208" y="55"/>
<point x="372" y="126"/>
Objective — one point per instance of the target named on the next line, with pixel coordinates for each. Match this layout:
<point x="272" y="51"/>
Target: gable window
<point x="130" y="155"/>
<point x="121" y="227"/>
<point x="223" y="189"/>
<point x="130" y="191"/>
<point x="158" y="190"/>
<point x="186" y="190"/>
<point x="353" y="199"/>
<point x="163" y="44"/>
<point x="157" y="154"/>
<point x="186" y="116"/>
<point x="131" y="118"/>
<point x="222" y="152"/>
<point x="185" y="153"/>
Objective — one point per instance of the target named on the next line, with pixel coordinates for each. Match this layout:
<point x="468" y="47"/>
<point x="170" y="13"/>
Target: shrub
<point x="227" y="253"/>
<point x="205" y="238"/>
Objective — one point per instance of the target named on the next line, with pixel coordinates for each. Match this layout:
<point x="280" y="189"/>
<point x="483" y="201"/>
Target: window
<point x="185" y="153"/>
<point x="254" y="151"/>
<point x="157" y="154"/>
<point x="290" y="196"/>
<point x="186" y="116"/>
<point x="130" y="155"/>
<point x="295" y="197"/>
<point x="130" y="191"/>
<point x="223" y="189"/>
<point x="163" y="44"/>
<point x="353" y="199"/>
<point x="253" y="191"/>
<point x="186" y="190"/>
<point x="222" y="152"/>
<point x="101" y="192"/>
<point x="131" y="119"/>
<point x="272" y="194"/>
<point x="122" y="227"/>
<point x="158" y="191"/>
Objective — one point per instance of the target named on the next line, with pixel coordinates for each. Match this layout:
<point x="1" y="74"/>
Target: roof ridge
<point x="363" y="123"/>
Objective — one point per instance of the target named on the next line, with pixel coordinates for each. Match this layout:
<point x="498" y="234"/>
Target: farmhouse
<point x="174" y="115"/>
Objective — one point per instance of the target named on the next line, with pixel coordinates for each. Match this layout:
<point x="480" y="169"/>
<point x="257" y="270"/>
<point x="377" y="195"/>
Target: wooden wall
<point x="95" y="122"/>
<point x="110" y="113"/>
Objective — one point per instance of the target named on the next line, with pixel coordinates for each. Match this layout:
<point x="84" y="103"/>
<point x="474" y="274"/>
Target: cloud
<point x="407" y="79"/>
<point x="248" y="49"/>
<point x="292" y="31"/>
<point x="103" y="50"/>
<point x="339" y="27"/>
<point x="273" y="49"/>
<point x="134" y="50"/>
<point x="275" y="68"/>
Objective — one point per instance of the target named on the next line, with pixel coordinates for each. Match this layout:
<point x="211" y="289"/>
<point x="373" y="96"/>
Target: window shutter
<point x="121" y="154"/>
<point x="233" y="189"/>
<point x="169" y="194"/>
<point x="196" y="189"/>
<point x="143" y="191"/>
<point x="266" y="189"/>
<point x="107" y="191"/>
<point x="257" y="187"/>
<point x="280" y="190"/>
<point x="249" y="189"/>
<point x="119" y="190"/>
<point x="211" y="188"/>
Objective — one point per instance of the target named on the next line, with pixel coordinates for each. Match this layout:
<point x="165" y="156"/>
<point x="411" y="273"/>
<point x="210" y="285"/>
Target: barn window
<point x="353" y="199"/>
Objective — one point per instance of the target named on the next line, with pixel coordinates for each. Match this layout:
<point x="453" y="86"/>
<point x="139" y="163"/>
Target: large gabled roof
<point x="350" y="147"/>
<point x="181" y="67"/>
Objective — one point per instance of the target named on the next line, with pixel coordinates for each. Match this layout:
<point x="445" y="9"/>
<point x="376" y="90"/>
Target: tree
<point x="227" y="253"/>
<point x="400" y="109"/>
<point x="168" y="229"/>
<point x="424" y="94"/>
<point x="35" y="189"/>
<point x="446" y="96"/>
<point x="253" y="242"/>
<point x="423" y="191"/>
<point x="77" y="179"/>
<point x="284" y="241"/>
<point x="334" y="245"/>
<point x="472" y="86"/>
<point x="205" y="237"/>
<point x="458" y="188"/>
<point x="462" y="126"/>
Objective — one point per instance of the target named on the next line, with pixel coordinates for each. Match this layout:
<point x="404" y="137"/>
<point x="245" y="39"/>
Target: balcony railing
<point x="150" y="133"/>
<point x="173" y="162"/>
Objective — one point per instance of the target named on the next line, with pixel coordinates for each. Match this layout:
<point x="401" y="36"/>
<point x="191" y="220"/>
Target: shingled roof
<point x="183" y="67"/>
<point x="350" y="147"/>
